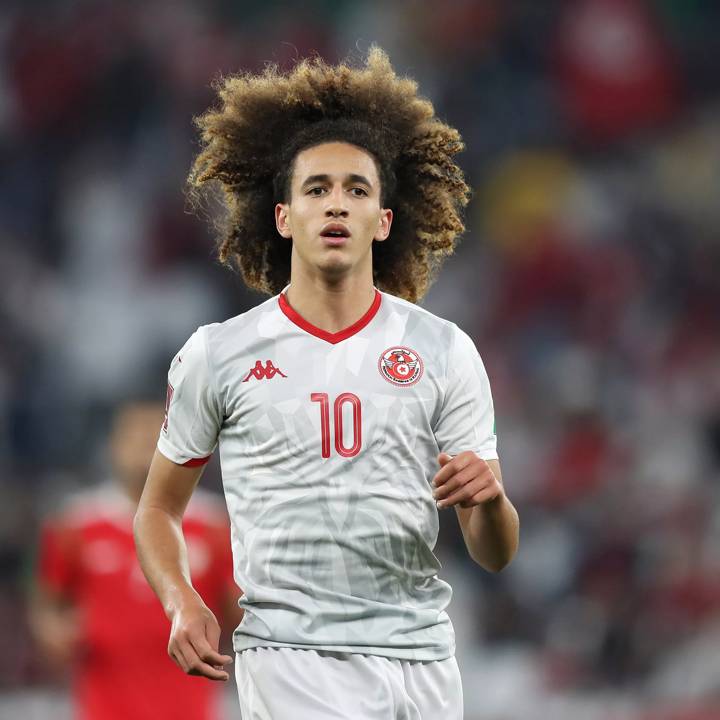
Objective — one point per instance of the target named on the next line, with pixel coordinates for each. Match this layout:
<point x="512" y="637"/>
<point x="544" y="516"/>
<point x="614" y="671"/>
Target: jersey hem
<point x="425" y="654"/>
<point x="482" y="454"/>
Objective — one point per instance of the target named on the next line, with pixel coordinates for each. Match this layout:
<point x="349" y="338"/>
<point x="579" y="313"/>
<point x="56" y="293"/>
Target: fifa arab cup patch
<point x="400" y="365"/>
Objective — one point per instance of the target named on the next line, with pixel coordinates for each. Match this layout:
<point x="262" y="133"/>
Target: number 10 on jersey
<point x="340" y="446"/>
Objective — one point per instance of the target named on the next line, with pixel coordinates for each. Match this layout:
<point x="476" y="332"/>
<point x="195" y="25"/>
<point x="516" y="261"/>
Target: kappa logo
<point x="400" y="365"/>
<point x="264" y="372"/>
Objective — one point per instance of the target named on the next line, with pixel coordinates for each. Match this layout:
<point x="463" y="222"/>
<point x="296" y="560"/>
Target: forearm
<point x="44" y="611"/>
<point x="162" y="552"/>
<point x="492" y="534"/>
<point x="55" y="626"/>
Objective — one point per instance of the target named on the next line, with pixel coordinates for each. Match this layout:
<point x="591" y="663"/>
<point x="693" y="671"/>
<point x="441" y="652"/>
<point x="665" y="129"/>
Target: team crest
<point x="400" y="366"/>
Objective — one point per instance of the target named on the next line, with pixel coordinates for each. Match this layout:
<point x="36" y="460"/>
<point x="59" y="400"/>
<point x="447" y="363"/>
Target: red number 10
<point x="340" y="400"/>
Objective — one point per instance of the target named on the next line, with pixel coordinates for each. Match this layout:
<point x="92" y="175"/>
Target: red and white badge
<point x="400" y="365"/>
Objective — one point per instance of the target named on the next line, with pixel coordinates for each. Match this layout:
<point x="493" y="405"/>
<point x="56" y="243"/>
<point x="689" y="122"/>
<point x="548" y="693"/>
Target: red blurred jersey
<point x="123" y="672"/>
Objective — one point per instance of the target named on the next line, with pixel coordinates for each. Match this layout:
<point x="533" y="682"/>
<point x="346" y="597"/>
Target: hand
<point x="194" y="639"/>
<point x="465" y="480"/>
<point x="59" y="633"/>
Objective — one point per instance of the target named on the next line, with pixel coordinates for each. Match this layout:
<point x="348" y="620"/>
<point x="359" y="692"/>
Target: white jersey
<point x="328" y="446"/>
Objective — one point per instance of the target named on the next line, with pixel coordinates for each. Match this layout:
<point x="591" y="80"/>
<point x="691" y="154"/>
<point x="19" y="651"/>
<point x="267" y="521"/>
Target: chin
<point x="334" y="265"/>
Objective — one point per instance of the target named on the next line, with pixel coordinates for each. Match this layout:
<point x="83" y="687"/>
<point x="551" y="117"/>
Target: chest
<point x="331" y="399"/>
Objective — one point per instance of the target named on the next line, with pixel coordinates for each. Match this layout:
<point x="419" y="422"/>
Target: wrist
<point x="180" y="599"/>
<point x="495" y="504"/>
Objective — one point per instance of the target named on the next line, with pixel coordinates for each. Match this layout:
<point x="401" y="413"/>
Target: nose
<point x="336" y="203"/>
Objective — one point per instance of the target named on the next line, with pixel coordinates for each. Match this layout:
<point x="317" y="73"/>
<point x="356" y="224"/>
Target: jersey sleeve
<point x="193" y="415"/>
<point x="467" y="416"/>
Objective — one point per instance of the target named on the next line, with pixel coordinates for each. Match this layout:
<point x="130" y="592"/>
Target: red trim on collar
<point x="323" y="334"/>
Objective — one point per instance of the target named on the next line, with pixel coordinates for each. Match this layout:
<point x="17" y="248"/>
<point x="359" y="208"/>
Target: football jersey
<point x="87" y="554"/>
<point x="328" y="445"/>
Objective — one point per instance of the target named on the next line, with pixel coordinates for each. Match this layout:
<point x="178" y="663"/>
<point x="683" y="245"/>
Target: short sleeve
<point x="467" y="417"/>
<point x="192" y="410"/>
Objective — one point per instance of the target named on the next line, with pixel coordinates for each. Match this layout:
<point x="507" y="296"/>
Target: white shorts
<point x="281" y="683"/>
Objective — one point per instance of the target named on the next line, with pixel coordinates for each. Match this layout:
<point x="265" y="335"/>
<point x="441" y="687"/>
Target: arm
<point x="55" y="626"/>
<point x="162" y="552"/>
<point x="53" y="615"/>
<point x="488" y="520"/>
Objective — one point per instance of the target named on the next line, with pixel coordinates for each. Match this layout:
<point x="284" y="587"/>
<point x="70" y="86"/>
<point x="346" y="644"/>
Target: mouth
<point x="335" y="234"/>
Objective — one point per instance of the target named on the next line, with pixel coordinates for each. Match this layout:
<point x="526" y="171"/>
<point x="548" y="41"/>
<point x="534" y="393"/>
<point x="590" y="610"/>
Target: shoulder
<point x="220" y="343"/>
<point x="85" y="508"/>
<point x="443" y="334"/>
<point x="416" y="316"/>
<point x="398" y="305"/>
<point x="253" y="319"/>
<point x="212" y="341"/>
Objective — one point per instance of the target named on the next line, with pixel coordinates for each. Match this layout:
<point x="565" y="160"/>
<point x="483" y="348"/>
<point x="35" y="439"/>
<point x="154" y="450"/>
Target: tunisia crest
<point x="400" y="366"/>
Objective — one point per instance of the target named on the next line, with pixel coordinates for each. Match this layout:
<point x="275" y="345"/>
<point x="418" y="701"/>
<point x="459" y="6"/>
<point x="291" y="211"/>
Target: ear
<point x="386" y="217"/>
<point x="282" y="211"/>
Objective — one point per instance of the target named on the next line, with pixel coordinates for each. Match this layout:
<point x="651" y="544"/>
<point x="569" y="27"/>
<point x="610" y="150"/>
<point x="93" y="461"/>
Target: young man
<point x="92" y="611"/>
<point x="343" y="411"/>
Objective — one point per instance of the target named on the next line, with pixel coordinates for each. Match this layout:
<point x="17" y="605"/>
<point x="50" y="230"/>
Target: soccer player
<point x="93" y="612"/>
<point x="343" y="411"/>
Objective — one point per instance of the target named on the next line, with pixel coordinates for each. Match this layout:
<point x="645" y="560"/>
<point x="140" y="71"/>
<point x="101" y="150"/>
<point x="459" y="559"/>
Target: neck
<point x="331" y="304"/>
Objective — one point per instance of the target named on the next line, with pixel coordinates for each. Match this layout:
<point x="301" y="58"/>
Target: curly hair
<point x="250" y="141"/>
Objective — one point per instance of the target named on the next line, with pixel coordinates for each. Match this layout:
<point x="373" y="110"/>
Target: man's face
<point x="334" y="212"/>
<point x="134" y="435"/>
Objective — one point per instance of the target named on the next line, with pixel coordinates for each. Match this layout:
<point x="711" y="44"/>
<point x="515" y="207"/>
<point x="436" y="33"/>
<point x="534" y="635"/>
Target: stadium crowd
<point x="589" y="278"/>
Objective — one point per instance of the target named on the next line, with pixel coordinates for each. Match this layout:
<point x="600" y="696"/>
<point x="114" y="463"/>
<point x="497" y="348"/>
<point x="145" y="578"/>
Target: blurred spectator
<point x="616" y="72"/>
<point x="92" y="610"/>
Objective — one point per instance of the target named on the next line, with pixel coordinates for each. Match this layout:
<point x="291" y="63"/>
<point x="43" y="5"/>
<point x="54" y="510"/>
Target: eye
<point x="359" y="192"/>
<point x="316" y="191"/>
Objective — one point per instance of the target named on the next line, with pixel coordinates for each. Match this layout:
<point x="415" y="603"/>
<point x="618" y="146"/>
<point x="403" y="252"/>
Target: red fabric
<point x="616" y="73"/>
<point x="336" y="337"/>
<point x="197" y="462"/>
<point x="124" y="672"/>
<point x="578" y="466"/>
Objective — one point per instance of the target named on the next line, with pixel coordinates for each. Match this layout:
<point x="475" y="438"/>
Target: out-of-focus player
<point x="92" y="609"/>
<point x="343" y="411"/>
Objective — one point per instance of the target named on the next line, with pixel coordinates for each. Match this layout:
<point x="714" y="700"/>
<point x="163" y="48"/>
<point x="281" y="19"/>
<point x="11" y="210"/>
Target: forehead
<point x="335" y="159"/>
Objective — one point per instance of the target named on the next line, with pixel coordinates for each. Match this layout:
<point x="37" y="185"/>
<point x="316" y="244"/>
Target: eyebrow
<point x="352" y="177"/>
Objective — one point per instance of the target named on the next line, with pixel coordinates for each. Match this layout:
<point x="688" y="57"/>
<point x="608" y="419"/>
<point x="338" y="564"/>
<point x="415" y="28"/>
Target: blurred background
<point x="589" y="278"/>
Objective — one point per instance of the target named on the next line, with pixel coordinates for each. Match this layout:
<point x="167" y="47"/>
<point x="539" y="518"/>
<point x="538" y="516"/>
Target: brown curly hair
<point x="249" y="143"/>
